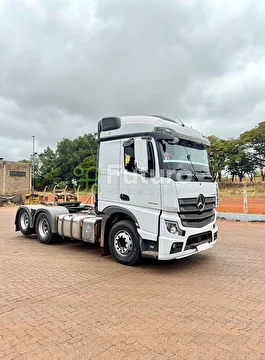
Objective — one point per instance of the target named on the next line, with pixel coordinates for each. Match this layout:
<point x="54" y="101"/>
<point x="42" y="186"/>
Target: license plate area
<point x="202" y="247"/>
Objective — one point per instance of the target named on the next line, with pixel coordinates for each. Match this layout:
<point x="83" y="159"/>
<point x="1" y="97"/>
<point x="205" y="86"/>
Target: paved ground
<point x="66" y="302"/>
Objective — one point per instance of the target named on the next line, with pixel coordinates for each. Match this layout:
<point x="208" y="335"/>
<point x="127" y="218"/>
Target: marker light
<point x="217" y="195"/>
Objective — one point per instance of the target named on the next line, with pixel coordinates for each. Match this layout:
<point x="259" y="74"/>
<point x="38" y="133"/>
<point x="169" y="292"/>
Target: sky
<point x="65" y="64"/>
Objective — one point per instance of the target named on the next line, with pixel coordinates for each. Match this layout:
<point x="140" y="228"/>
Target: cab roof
<point x="130" y="126"/>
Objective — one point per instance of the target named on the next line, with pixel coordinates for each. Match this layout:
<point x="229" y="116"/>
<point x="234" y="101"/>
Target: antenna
<point x="182" y="123"/>
<point x="90" y="148"/>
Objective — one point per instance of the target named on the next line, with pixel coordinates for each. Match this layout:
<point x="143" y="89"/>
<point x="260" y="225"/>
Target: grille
<point x="195" y="240"/>
<point x="191" y="217"/>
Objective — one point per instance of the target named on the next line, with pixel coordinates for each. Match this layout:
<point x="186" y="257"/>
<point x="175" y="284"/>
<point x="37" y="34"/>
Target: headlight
<point x="174" y="229"/>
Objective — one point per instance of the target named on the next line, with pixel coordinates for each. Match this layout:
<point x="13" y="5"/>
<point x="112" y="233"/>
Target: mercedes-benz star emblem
<point x="200" y="202"/>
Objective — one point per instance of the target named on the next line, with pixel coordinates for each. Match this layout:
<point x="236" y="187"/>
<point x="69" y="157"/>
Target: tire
<point x="124" y="243"/>
<point x="44" y="229"/>
<point x="24" y="222"/>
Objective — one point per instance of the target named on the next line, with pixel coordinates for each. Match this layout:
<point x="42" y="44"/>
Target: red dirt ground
<point x="236" y="205"/>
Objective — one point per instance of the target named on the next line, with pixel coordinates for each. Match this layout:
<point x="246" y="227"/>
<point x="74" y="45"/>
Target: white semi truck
<point x="156" y="197"/>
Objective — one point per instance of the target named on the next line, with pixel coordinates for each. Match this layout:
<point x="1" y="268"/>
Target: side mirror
<point x="141" y="156"/>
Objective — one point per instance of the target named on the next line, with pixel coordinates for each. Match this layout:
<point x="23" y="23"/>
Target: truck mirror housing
<point x="141" y="156"/>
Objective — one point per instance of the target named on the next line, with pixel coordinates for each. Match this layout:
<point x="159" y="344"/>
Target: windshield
<point x="185" y="155"/>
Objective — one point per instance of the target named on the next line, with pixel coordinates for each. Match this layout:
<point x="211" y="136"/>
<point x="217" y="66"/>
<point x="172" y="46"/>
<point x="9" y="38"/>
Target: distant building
<point x="14" y="177"/>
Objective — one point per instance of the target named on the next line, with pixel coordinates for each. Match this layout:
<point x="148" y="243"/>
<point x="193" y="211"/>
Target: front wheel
<point x="24" y="222"/>
<point x="124" y="243"/>
<point x="43" y="229"/>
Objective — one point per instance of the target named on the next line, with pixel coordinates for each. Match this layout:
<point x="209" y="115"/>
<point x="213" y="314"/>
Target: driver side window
<point x="129" y="158"/>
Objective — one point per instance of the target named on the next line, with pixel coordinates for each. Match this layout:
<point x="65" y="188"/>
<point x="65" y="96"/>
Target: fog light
<point x="174" y="229"/>
<point x="176" y="247"/>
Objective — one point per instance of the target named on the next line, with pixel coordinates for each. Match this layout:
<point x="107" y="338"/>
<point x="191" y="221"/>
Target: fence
<point x="246" y="199"/>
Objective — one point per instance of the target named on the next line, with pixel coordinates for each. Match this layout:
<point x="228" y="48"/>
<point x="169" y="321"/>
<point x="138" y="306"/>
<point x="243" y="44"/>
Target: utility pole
<point x="33" y="164"/>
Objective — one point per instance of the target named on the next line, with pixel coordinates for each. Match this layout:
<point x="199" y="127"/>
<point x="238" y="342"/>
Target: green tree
<point x="49" y="173"/>
<point x="217" y="154"/>
<point x="77" y="153"/>
<point x="255" y="141"/>
<point x="240" y="161"/>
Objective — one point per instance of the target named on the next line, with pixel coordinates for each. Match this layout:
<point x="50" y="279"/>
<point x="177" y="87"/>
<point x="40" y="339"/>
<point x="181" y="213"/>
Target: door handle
<point x="124" y="197"/>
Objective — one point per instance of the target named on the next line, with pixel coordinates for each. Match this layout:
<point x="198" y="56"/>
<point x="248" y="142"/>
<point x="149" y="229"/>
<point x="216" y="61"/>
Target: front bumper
<point x="187" y="253"/>
<point x="194" y="241"/>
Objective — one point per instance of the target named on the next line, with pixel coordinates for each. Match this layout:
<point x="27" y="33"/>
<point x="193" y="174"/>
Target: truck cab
<point x="154" y="173"/>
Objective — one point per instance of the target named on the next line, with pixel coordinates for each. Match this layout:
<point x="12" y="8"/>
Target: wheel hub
<point x="24" y="221"/>
<point x="43" y="227"/>
<point x="123" y="243"/>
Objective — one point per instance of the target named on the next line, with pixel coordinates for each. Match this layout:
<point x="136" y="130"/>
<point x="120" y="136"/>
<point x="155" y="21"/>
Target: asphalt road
<point x="64" y="301"/>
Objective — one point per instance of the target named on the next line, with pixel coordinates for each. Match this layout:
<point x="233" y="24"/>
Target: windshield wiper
<point x="193" y="168"/>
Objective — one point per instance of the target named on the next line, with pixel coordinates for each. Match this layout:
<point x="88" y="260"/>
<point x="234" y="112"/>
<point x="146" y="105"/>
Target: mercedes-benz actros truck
<point x="155" y="195"/>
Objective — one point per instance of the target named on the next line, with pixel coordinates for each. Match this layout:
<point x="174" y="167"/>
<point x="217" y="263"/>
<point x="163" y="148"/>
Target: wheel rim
<point x="24" y="221"/>
<point x="123" y="243"/>
<point x="44" y="228"/>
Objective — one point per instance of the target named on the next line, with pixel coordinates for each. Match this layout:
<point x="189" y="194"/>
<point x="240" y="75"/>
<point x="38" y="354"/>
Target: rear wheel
<point x="44" y="229"/>
<point x="24" y="222"/>
<point x="124" y="243"/>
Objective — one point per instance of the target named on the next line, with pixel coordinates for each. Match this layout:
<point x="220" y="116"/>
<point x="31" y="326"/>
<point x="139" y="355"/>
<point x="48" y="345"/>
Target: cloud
<point x="64" y="64"/>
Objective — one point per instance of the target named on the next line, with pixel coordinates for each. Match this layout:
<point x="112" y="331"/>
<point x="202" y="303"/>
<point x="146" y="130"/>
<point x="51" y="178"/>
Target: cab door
<point x="140" y="193"/>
